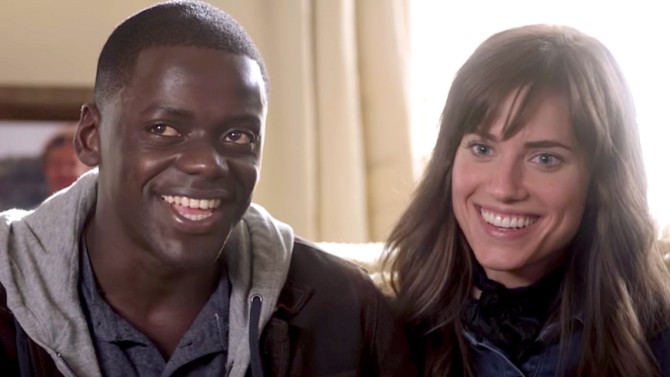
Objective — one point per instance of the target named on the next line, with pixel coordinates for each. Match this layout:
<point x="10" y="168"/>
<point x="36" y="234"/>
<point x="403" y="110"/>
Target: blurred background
<point x="357" y="87"/>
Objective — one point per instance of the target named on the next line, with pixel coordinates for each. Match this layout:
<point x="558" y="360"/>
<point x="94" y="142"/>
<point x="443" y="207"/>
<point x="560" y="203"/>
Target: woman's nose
<point x="506" y="181"/>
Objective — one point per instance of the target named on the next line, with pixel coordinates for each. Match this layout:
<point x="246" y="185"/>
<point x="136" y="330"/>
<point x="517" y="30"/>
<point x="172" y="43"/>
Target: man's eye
<point x="163" y="129"/>
<point x="239" y="137"/>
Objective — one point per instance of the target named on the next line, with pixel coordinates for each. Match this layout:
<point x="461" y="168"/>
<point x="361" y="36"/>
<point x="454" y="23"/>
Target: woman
<point x="541" y="259"/>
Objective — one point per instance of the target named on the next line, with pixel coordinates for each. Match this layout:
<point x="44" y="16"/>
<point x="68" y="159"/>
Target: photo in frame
<point x="30" y="120"/>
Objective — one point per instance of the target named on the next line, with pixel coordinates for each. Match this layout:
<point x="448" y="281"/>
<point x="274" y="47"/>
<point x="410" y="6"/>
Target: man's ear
<point x="87" y="138"/>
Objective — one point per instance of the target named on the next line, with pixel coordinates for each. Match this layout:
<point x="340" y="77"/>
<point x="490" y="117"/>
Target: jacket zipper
<point x="229" y="368"/>
<point x="58" y="355"/>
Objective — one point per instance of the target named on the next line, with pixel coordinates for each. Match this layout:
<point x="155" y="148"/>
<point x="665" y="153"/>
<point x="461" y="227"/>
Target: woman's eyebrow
<point x="485" y="135"/>
<point x="547" y="144"/>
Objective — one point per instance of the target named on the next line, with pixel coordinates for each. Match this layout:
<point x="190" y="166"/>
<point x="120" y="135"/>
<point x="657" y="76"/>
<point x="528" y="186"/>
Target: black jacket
<point x="330" y="320"/>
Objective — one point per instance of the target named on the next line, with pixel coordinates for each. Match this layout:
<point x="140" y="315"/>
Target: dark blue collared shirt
<point x="124" y="351"/>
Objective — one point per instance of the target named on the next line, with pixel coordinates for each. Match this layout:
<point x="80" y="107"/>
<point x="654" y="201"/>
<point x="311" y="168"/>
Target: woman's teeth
<point x="503" y="221"/>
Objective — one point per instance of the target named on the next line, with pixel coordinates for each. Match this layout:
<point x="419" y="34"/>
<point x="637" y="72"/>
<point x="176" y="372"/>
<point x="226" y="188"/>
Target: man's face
<point x="180" y="148"/>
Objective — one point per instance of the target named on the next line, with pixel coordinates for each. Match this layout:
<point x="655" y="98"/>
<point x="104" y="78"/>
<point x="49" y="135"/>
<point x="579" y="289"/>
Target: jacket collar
<point x="293" y="298"/>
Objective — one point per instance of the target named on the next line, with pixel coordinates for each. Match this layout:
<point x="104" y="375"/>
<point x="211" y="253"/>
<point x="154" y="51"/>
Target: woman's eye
<point x="547" y="160"/>
<point x="163" y="129"/>
<point x="479" y="149"/>
<point x="239" y="137"/>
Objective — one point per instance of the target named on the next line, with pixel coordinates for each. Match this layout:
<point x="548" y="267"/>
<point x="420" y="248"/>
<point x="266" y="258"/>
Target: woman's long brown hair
<point x="616" y="282"/>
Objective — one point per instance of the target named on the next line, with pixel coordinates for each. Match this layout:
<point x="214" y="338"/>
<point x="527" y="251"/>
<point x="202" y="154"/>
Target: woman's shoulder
<point x="660" y="346"/>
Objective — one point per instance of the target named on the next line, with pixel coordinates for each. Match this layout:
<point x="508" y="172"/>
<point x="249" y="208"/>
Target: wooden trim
<point x="43" y="103"/>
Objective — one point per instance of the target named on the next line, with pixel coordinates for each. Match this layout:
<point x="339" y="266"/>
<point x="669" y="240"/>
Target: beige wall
<point x="56" y="43"/>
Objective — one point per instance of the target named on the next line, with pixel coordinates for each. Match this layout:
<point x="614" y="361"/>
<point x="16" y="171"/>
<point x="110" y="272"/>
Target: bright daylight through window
<point x="444" y="34"/>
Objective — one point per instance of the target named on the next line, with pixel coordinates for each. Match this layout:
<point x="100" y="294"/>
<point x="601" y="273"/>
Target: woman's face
<point x="519" y="201"/>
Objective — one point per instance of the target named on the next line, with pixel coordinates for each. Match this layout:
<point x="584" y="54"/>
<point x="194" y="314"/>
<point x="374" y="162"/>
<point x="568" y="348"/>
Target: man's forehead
<point x="193" y="65"/>
<point x="181" y="54"/>
<point x="176" y="75"/>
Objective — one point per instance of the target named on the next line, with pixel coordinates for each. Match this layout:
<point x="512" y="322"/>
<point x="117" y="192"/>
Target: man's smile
<point x="193" y="209"/>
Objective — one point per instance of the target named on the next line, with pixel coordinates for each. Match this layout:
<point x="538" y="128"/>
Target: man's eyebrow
<point x="547" y="144"/>
<point x="187" y="114"/>
<point x="169" y="110"/>
<point x="244" y="118"/>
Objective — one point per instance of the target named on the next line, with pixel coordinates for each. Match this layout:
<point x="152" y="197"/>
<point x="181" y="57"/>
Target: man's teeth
<point x="196" y="217"/>
<point x="192" y="202"/>
<point x="502" y="221"/>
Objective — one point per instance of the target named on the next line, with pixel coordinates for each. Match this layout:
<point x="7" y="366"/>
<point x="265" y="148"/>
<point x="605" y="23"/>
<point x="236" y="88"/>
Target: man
<point x="156" y="264"/>
<point x="60" y="164"/>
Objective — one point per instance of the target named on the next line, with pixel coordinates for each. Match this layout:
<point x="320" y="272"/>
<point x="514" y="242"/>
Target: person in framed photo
<point x="60" y="163"/>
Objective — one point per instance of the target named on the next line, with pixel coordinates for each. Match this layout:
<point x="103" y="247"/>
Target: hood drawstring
<point x="254" y="346"/>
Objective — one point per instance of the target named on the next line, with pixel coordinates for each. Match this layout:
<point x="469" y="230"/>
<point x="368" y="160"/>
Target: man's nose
<point x="507" y="181"/>
<point x="202" y="157"/>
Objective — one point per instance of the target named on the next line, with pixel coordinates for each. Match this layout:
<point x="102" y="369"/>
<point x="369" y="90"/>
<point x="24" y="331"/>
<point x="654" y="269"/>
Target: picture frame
<point x="42" y="103"/>
<point x="29" y="117"/>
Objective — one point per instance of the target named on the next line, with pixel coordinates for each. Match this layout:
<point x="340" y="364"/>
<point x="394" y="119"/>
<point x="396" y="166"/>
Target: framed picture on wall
<point x="36" y="153"/>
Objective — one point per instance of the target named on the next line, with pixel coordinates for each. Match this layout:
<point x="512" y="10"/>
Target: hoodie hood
<point x="258" y="255"/>
<point x="39" y="269"/>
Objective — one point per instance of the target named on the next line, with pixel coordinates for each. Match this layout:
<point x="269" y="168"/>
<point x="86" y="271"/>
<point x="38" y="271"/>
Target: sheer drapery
<point x="337" y="163"/>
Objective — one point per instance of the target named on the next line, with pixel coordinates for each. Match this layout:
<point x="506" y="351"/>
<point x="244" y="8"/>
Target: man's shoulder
<point x="321" y="286"/>
<point x="326" y="279"/>
<point x="309" y="260"/>
<point x="11" y="216"/>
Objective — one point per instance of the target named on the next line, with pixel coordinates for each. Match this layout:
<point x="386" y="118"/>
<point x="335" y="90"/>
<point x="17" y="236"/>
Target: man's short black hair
<point x="172" y="23"/>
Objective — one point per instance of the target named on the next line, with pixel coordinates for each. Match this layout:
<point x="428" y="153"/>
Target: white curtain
<point x="337" y="164"/>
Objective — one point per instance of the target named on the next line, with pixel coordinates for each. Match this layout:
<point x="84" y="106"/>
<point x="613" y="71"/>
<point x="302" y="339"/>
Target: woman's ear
<point x="87" y="138"/>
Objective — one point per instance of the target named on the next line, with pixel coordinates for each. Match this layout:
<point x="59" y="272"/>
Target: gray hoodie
<point x="39" y="269"/>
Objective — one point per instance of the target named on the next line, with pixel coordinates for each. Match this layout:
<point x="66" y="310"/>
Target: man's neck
<point x="161" y="301"/>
